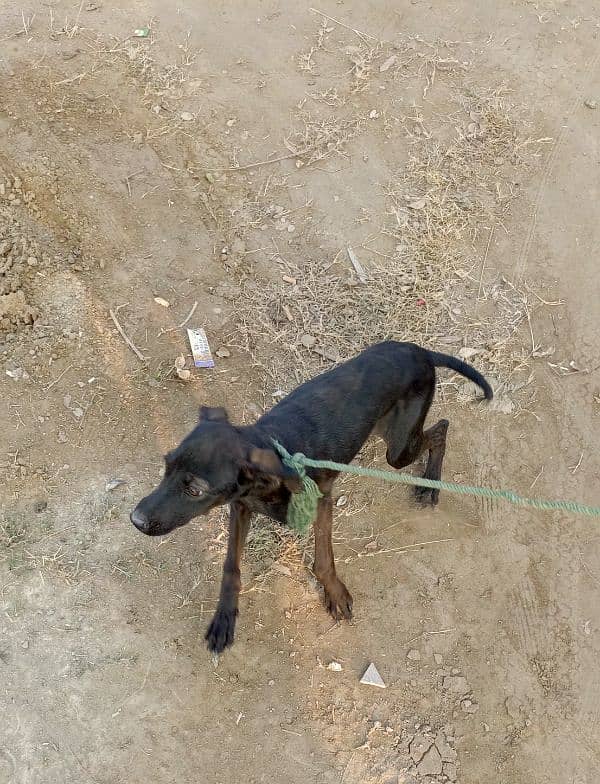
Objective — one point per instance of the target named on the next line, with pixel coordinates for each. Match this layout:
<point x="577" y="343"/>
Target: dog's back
<point x="332" y="415"/>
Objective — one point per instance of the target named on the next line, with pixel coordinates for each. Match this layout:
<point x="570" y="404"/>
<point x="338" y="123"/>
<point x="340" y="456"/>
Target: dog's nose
<point x="140" y="520"/>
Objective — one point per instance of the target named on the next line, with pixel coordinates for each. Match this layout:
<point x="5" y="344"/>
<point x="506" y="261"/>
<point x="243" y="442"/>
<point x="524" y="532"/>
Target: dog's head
<point x="213" y="465"/>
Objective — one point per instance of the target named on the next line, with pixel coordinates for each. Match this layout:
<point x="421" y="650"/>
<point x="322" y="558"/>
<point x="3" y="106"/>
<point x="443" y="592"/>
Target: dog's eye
<point x="193" y="491"/>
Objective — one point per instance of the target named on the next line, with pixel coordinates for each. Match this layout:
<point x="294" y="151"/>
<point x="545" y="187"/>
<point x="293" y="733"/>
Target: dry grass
<point x="271" y="550"/>
<point x="320" y="139"/>
<point x="426" y="276"/>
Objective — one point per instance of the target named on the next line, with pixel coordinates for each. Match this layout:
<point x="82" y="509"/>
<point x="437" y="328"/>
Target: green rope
<point x="303" y="506"/>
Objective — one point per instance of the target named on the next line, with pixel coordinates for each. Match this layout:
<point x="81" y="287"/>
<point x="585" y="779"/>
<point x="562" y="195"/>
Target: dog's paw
<point x="338" y="600"/>
<point x="426" y="496"/>
<point x="219" y="634"/>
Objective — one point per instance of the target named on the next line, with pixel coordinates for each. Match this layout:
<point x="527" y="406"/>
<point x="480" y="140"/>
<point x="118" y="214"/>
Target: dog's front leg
<point x="338" y="600"/>
<point x="220" y="632"/>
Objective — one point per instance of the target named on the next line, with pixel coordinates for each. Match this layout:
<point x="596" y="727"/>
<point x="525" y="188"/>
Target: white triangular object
<point x="372" y="677"/>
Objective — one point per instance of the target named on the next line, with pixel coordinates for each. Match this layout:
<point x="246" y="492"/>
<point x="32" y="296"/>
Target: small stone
<point x="112" y="484"/>
<point x="334" y="666"/>
<point x="61" y="437"/>
<point x="223" y="352"/>
<point x="342" y="501"/>
<point x="17" y="373"/>
<point x="413" y="655"/>
<point x="67" y="401"/>
<point x="271" y="682"/>
<point x="308" y="341"/>
<point x="457" y="684"/>
<point x="387" y="64"/>
<point x="78" y="412"/>
<point x="372" y="677"/>
<point x="469" y="706"/>
<point x="32" y="261"/>
<point x="186" y="116"/>
<point x="25" y="644"/>
<point x="591" y="104"/>
<point x="162" y="302"/>
<point x="438" y="658"/>
<point x="431" y="764"/>
<point x="40" y="506"/>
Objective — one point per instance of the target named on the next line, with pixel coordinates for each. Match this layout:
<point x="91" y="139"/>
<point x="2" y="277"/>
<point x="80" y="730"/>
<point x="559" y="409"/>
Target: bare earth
<point x="455" y="147"/>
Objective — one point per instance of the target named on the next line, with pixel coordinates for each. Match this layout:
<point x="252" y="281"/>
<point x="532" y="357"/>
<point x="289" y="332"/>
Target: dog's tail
<point x="445" y="360"/>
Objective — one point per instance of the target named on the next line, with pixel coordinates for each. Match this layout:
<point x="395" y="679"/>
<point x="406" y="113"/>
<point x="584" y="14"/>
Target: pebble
<point x="18" y="373"/>
<point x="387" y="64"/>
<point x="223" y="353"/>
<point x="78" y="412"/>
<point x="67" y="401"/>
<point x="61" y="437"/>
<point x="334" y="666"/>
<point x="40" y="506"/>
<point x="25" y="644"/>
<point x="591" y="104"/>
<point x="413" y="655"/>
<point x="457" y="684"/>
<point x="469" y="706"/>
<point x="112" y="484"/>
<point x="438" y="658"/>
<point x="308" y="341"/>
<point x="186" y="116"/>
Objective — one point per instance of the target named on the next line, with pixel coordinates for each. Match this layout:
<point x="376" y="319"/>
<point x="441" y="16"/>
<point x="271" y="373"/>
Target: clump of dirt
<point x="20" y="257"/>
<point x="15" y="310"/>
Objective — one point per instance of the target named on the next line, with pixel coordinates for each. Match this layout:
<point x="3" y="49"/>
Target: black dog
<point x="386" y="390"/>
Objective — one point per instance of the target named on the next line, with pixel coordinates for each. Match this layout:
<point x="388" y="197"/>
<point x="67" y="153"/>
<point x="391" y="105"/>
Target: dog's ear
<point x="265" y="462"/>
<point x="212" y="415"/>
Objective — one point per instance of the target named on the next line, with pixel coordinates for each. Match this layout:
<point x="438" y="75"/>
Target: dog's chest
<point x="273" y="505"/>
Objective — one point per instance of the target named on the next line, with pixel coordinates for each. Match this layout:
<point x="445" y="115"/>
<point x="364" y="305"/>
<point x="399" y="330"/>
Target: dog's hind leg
<point x="434" y="439"/>
<point x="402" y="429"/>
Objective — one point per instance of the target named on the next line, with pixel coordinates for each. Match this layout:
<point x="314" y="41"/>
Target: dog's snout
<point x="140" y="520"/>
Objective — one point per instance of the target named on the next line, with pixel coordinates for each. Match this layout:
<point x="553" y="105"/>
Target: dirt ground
<point x="456" y="150"/>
